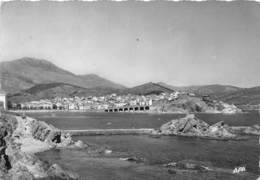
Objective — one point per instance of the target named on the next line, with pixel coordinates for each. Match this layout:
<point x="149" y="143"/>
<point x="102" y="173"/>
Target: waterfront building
<point x="3" y="103"/>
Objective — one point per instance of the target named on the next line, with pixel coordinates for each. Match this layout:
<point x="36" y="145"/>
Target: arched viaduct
<point x="128" y="109"/>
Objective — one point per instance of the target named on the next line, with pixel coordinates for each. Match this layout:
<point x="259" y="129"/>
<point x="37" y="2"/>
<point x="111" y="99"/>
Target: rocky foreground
<point x="22" y="137"/>
<point x="192" y="126"/>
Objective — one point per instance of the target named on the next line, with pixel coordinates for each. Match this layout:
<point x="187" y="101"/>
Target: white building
<point x="3" y="104"/>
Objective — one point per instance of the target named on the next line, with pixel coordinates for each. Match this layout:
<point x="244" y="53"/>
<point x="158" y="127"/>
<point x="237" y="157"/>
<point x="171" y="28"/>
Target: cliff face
<point x="20" y="138"/>
<point x="5" y="133"/>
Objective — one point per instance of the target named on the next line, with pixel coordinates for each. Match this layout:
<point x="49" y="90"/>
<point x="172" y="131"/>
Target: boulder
<point x="188" y="166"/>
<point x="55" y="171"/>
<point x="186" y="125"/>
<point x="44" y="132"/>
<point x="133" y="159"/>
<point x="20" y="173"/>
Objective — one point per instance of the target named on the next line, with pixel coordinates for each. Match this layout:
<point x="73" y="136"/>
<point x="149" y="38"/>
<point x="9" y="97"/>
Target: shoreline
<point x="23" y="137"/>
<point x="105" y="132"/>
<point x="128" y="112"/>
<point x="29" y="132"/>
<point x="239" y="130"/>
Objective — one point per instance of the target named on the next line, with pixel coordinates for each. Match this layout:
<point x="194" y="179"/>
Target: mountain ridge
<point x="245" y="96"/>
<point x="24" y="73"/>
<point x="210" y="89"/>
<point x="53" y="90"/>
<point x="27" y="74"/>
<point x="148" y="88"/>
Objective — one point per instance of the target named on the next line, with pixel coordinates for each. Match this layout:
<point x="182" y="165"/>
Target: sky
<point x="180" y="43"/>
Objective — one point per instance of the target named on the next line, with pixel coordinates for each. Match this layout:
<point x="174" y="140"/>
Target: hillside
<point x="244" y="96"/>
<point x="97" y="81"/>
<point x="52" y="90"/>
<point x="33" y="79"/>
<point x="148" y="88"/>
<point x="27" y="72"/>
<point x="214" y="89"/>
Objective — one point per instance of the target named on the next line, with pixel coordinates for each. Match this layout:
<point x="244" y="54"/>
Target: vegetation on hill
<point x="214" y="89"/>
<point x="225" y="93"/>
<point x="52" y="90"/>
<point x="148" y="88"/>
<point x="245" y="96"/>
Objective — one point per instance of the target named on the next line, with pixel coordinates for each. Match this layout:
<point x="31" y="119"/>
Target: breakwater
<point x="51" y="111"/>
<point x="94" y="132"/>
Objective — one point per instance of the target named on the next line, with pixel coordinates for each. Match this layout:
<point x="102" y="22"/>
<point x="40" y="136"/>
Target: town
<point x="174" y="102"/>
<point x="108" y="103"/>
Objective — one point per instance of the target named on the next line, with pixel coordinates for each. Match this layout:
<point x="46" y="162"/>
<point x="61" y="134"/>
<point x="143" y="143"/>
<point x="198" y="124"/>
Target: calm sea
<point x="67" y="120"/>
<point x="154" y="151"/>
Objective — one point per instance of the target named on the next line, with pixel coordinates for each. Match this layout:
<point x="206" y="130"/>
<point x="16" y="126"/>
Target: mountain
<point x="213" y="90"/>
<point x="176" y="88"/>
<point x="97" y="81"/>
<point x="225" y="93"/>
<point x="243" y="96"/>
<point x="32" y="79"/>
<point x="148" y="88"/>
<point x="52" y="90"/>
<point x="27" y="72"/>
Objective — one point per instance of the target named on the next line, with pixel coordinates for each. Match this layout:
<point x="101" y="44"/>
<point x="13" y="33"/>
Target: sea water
<point x="155" y="152"/>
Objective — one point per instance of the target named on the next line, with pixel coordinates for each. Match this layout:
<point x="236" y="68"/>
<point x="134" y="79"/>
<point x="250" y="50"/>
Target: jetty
<point x="94" y="132"/>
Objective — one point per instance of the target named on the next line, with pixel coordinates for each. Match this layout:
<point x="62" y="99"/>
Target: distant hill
<point x="148" y="88"/>
<point x="27" y="72"/>
<point x="32" y="79"/>
<point x="97" y="81"/>
<point x="52" y="90"/>
<point x="214" y="89"/>
<point x="225" y="93"/>
<point x="243" y="96"/>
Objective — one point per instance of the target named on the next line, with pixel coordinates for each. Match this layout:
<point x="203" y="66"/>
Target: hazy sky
<point x="135" y="42"/>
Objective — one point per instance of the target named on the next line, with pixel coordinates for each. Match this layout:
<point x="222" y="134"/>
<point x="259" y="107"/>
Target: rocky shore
<point x="192" y="104"/>
<point x="194" y="167"/>
<point x="22" y="137"/>
<point x="246" y="130"/>
<point x="193" y="127"/>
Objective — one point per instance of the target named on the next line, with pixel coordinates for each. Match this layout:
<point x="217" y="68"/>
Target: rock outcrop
<point x="188" y="166"/>
<point x="192" y="166"/>
<point x="192" y="126"/>
<point x="5" y="133"/>
<point x="193" y="104"/>
<point x="20" y="139"/>
<point x="229" y="109"/>
<point x="246" y="130"/>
